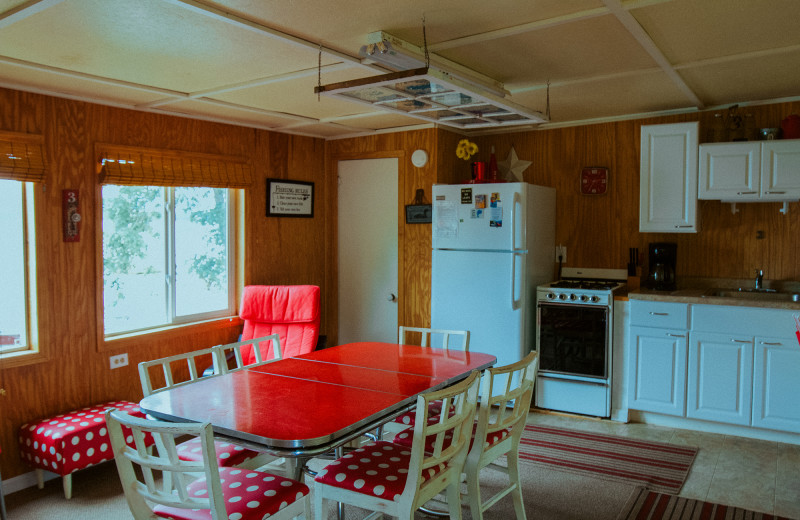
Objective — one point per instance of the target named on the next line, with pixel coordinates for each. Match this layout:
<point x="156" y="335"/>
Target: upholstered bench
<point x="69" y="442"/>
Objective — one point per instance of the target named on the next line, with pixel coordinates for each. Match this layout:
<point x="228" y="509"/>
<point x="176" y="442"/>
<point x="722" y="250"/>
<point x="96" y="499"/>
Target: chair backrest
<point x="443" y="441"/>
<point x="505" y="400"/>
<point x="291" y="311"/>
<point x="233" y="353"/>
<point x="159" y="476"/>
<point x="172" y="369"/>
<point x="440" y="338"/>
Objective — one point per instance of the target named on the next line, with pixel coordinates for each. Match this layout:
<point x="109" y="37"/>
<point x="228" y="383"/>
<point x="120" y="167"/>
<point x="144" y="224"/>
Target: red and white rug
<point x="651" y="505"/>
<point x="653" y="465"/>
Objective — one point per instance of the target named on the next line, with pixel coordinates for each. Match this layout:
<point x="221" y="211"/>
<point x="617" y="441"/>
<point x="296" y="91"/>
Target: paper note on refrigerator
<point x="446" y="225"/>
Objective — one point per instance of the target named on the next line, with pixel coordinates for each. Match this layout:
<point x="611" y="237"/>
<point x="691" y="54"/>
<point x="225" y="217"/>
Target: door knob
<point x="392" y="297"/>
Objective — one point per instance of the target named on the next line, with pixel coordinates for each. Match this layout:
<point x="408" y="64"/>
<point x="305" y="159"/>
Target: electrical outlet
<point x="561" y="251"/>
<point x="118" y="361"/>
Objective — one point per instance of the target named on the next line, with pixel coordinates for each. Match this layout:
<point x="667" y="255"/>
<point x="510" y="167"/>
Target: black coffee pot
<point x="661" y="265"/>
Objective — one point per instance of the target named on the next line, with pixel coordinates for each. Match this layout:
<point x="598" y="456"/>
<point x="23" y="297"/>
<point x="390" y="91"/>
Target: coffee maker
<point x="662" y="266"/>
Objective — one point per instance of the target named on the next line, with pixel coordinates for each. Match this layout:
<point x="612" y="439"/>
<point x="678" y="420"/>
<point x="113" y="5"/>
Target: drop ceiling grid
<point x="650" y="91"/>
<point x="752" y="79"/>
<point x="151" y="42"/>
<point x="688" y="31"/>
<point x="577" y="50"/>
<point x="297" y="96"/>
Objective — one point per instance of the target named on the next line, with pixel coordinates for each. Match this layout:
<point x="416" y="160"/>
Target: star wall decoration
<point x="512" y="167"/>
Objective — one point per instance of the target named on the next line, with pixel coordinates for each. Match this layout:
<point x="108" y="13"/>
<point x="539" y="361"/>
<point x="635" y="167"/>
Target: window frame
<point x="32" y="351"/>
<point x="178" y="325"/>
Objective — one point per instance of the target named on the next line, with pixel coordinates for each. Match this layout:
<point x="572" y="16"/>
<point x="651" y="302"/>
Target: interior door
<point x="367" y="224"/>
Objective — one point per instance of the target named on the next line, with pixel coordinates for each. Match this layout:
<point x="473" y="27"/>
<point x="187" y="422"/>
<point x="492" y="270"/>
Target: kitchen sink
<point x="762" y="295"/>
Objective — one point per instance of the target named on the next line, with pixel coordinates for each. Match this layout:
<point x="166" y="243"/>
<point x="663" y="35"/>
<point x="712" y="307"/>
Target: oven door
<point x="572" y="339"/>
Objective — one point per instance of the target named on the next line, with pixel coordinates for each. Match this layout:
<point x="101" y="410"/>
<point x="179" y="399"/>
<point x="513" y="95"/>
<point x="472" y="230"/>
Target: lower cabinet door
<point x="776" y="389"/>
<point x="657" y="370"/>
<point x="720" y="379"/>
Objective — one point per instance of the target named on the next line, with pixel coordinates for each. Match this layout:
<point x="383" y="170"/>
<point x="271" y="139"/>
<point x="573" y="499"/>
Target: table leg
<point x="294" y="467"/>
<point x="2" y="502"/>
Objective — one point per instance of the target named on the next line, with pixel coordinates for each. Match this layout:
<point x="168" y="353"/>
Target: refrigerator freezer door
<point x="482" y="292"/>
<point x="479" y="216"/>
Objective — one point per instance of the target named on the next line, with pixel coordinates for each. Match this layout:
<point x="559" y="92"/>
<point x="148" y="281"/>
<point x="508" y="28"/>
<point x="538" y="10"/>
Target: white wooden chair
<point x="391" y="479"/>
<point x="159" y="483"/>
<point x="460" y="338"/>
<point x="234" y="352"/>
<point x="439" y="338"/>
<point x="505" y="401"/>
<point x="228" y="454"/>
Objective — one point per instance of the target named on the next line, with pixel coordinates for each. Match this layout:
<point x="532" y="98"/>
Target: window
<point x="17" y="261"/>
<point x="167" y="256"/>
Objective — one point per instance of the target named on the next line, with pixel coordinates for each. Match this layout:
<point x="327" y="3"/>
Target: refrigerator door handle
<point x="516" y="299"/>
<point x="516" y="207"/>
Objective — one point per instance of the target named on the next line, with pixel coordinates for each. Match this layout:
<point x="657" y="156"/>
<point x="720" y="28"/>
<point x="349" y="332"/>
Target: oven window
<point x="572" y="339"/>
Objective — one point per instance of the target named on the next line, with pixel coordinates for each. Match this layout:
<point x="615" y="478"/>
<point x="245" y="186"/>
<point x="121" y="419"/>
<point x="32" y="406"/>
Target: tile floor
<point x="753" y="474"/>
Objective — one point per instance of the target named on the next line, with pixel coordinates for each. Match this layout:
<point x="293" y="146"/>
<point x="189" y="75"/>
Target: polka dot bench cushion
<point x="248" y="495"/>
<point x="71" y="441"/>
<point x="379" y="469"/>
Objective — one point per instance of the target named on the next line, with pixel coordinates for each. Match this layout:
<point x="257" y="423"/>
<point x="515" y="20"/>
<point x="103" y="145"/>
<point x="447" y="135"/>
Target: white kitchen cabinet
<point x="776" y="384"/>
<point x="657" y="370"/>
<point x="668" y="178"/>
<point x="720" y="377"/>
<point x="750" y="171"/>
<point x="657" y="357"/>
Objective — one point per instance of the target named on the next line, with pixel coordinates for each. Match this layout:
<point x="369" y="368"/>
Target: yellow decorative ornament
<point x="465" y="149"/>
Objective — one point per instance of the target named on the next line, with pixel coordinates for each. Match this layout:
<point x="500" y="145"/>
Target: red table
<point x="306" y="405"/>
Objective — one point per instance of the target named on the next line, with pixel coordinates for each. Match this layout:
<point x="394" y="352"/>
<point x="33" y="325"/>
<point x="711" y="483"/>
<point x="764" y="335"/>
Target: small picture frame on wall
<point x="290" y="198"/>
<point x="419" y="213"/>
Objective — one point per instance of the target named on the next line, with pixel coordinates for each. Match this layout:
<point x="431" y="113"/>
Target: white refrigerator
<point x="492" y="245"/>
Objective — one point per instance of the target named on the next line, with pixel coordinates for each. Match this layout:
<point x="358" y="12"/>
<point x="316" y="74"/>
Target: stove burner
<point x="589" y="285"/>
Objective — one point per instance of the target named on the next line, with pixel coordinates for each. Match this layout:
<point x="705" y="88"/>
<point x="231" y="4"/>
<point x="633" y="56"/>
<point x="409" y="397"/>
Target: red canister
<point x="479" y="171"/>
<point x="791" y="127"/>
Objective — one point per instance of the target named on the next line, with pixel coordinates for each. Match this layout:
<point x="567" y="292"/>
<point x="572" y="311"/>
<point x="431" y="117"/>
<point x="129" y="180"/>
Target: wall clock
<point x="594" y="181"/>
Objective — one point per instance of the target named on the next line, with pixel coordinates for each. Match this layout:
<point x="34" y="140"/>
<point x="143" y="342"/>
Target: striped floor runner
<point x="651" y="505"/>
<point x="653" y="465"/>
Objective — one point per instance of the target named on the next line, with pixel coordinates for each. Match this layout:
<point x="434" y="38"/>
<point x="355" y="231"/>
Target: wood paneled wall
<point x="597" y="230"/>
<point x="77" y="373"/>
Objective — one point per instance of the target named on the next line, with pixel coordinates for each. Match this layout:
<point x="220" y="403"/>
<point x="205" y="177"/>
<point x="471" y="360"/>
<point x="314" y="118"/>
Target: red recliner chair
<point x="291" y="311"/>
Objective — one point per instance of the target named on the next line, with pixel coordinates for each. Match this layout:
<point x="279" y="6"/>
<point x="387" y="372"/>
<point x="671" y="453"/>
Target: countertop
<point x="693" y="291"/>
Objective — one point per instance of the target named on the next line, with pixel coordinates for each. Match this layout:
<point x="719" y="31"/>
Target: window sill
<point x="124" y="341"/>
<point x="22" y="358"/>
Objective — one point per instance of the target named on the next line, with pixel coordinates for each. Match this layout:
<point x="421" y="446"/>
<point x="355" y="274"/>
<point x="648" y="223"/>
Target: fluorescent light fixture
<point x="434" y="95"/>
<point x="384" y="53"/>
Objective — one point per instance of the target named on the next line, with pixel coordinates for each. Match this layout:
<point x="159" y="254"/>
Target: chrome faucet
<point x="759" y="279"/>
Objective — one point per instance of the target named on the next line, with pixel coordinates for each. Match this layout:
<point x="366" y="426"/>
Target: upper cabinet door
<point x="729" y="171"/>
<point x="668" y="174"/>
<point x="780" y="170"/>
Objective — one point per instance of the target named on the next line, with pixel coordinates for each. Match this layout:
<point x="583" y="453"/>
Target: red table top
<point x="310" y="401"/>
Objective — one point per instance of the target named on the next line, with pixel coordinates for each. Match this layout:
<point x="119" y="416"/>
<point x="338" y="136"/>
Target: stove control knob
<point x="550" y="296"/>
<point x="584" y="298"/>
<point x="595" y="299"/>
<point x="562" y="296"/>
<point x="573" y="296"/>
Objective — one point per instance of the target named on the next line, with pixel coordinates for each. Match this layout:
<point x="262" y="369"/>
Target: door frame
<point x="332" y="245"/>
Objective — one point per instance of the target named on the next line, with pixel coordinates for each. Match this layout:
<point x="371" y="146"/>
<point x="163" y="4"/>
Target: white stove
<point x="574" y="331"/>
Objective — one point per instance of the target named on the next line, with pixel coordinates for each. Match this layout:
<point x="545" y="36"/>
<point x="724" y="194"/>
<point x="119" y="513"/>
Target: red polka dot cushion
<point x="434" y="408"/>
<point x="71" y="441"/>
<point x="228" y="454"/>
<point x="378" y="469"/>
<point x="405" y="438"/>
<point x="248" y="495"/>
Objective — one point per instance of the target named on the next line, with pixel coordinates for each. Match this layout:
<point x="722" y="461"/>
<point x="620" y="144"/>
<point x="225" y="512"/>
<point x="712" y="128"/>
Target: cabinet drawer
<point x="748" y="321"/>
<point x="660" y="314"/>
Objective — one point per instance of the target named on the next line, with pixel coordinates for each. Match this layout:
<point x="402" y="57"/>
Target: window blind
<point x="22" y="157"/>
<point x="133" y="166"/>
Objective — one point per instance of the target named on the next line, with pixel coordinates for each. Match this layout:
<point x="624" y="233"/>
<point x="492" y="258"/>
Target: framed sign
<point x="290" y="198"/>
<point x="418" y="213"/>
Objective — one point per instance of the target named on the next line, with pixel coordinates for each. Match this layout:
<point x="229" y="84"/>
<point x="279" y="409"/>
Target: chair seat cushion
<point x="408" y="418"/>
<point x="378" y="469"/>
<point x="405" y="438"/>
<point x="228" y="454"/>
<point x="248" y="495"/>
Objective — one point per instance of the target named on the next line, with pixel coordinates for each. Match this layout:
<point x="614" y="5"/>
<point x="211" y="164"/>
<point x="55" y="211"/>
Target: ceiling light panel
<point x="434" y="95"/>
